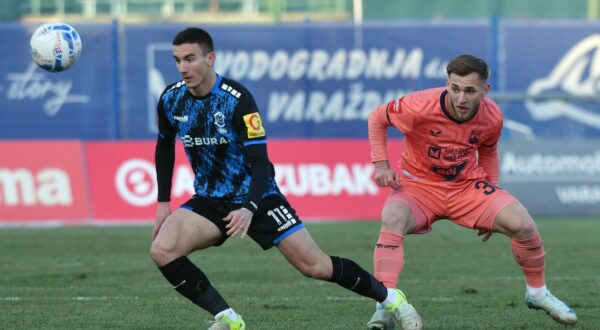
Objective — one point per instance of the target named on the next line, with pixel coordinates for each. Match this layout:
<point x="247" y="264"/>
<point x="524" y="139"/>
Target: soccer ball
<point x="55" y="46"/>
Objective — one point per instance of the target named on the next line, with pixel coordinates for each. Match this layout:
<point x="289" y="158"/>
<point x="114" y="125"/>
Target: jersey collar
<point x="443" y="105"/>
<point x="215" y="87"/>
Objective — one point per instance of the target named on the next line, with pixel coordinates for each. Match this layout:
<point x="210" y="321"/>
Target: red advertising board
<point x="42" y="181"/>
<point x="323" y="179"/>
<point x="122" y="180"/>
<point x="329" y="179"/>
<point x="109" y="182"/>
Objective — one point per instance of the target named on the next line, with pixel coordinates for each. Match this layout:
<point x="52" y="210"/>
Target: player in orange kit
<point x="449" y="170"/>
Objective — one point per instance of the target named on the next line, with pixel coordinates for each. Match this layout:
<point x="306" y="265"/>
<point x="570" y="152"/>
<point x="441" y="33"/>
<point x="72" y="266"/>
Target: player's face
<point x="465" y="94"/>
<point x="195" y="67"/>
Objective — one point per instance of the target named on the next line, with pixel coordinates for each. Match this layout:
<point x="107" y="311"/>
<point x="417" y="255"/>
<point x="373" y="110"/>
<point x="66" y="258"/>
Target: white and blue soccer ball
<point x="55" y="46"/>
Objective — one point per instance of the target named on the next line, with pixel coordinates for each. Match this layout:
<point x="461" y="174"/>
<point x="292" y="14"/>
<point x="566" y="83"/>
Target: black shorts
<point x="274" y="220"/>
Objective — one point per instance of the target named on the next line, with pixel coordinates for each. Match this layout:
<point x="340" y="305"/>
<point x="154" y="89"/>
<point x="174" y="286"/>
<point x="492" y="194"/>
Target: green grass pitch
<point x="103" y="278"/>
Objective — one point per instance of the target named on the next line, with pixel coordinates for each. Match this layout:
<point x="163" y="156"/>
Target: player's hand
<point x="486" y="234"/>
<point x="386" y="177"/>
<point x="163" y="210"/>
<point x="238" y="222"/>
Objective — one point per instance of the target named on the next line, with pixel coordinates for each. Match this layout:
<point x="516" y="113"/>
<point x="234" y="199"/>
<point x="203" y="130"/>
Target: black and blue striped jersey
<point x="224" y="140"/>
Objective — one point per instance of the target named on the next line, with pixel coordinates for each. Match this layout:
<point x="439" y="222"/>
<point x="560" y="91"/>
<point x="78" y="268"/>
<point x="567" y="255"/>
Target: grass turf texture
<point x="103" y="278"/>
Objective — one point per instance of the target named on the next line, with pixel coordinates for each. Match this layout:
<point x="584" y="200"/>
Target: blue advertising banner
<point x="546" y="60"/>
<point x="309" y="81"/>
<point x="77" y="104"/>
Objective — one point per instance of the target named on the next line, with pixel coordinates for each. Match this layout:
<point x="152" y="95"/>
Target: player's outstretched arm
<point x="377" y="126"/>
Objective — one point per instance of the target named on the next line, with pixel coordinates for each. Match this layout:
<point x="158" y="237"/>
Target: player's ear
<point x="211" y="58"/>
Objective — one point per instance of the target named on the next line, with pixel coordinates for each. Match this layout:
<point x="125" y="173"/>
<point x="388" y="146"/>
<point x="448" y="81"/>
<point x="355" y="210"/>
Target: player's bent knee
<point x="317" y="271"/>
<point x="314" y="272"/>
<point x="160" y="255"/>
<point x="526" y="228"/>
<point x="519" y="226"/>
<point x="395" y="222"/>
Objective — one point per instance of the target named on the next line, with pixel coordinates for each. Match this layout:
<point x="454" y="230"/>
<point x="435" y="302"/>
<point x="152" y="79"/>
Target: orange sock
<point x="389" y="258"/>
<point x="529" y="254"/>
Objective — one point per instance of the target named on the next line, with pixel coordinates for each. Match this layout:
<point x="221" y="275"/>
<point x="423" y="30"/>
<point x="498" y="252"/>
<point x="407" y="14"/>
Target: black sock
<point x="351" y="276"/>
<point x="191" y="282"/>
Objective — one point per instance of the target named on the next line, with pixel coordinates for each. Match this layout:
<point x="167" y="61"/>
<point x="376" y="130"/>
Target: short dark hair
<point x="464" y="65"/>
<point x="194" y="35"/>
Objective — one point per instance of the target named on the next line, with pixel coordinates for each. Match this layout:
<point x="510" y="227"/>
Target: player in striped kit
<point x="449" y="170"/>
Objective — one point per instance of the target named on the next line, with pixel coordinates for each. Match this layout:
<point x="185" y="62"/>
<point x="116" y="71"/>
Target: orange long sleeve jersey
<point x="436" y="146"/>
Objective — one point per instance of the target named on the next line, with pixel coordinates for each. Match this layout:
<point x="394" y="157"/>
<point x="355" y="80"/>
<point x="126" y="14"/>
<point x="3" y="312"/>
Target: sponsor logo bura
<point x="34" y="85"/>
<point x="190" y="141"/>
<point x="577" y="73"/>
<point x="46" y="187"/>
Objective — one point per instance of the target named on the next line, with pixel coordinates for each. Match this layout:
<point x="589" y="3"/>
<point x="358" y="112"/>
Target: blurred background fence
<point x="316" y="69"/>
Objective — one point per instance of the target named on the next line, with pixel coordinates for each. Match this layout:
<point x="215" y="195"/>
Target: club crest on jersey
<point x="474" y="138"/>
<point x="219" y="119"/>
<point x="220" y="122"/>
<point x="254" y="125"/>
<point x="395" y="106"/>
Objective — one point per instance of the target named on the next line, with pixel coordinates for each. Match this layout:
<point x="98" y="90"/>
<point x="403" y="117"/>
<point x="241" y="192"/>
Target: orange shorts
<point x="471" y="204"/>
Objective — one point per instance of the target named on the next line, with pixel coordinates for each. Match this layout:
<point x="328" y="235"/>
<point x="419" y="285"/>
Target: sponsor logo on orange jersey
<point x="395" y="106"/>
<point x="434" y="152"/>
<point x="449" y="172"/>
